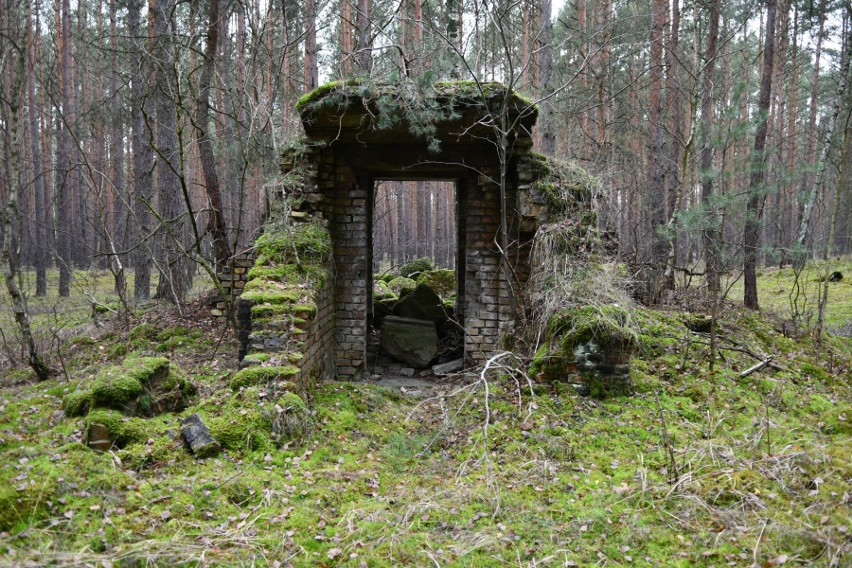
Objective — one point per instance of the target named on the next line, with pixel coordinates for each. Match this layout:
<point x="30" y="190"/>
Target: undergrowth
<point x="695" y="469"/>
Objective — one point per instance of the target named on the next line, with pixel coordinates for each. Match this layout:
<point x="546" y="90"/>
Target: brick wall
<point x="233" y="279"/>
<point x="301" y="337"/>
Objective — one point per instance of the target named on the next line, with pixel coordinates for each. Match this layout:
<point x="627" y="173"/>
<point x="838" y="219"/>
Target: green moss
<point x="300" y="243"/>
<point x="122" y="429"/>
<point x="381" y="290"/>
<point x="567" y="186"/>
<point x="256" y="357"/>
<point x="291" y="401"/>
<point x="442" y="281"/>
<point x="608" y="326"/>
<point x="144" y="331"/>
<point x="400" y="283"/>
<point x="269" y="296"/>
<point x="317" y="94"/>
<point x="77" y="403"/>
<point x="252" y="376"/>
<point x="114" y="388"/>
<point x="416" y="266"/>
<point x="144" y="369"/>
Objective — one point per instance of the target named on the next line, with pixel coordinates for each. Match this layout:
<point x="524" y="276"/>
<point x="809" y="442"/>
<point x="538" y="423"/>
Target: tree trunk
<point x="216" y="225"/>
<point x="13" y="141"/>
<point x="674" y="107"/>
<point x="754" y="208"/>
<point x="117" y="138"/>
<point x="143" y="159"/>
<point x="654" y="194"/>
<point x="800" y="255"/>
<point x="364" y="48"/>
<point x="41" y="244"/>
<point x="548" y="135"/>
<point x="65" y="144"/>
<point x="172" y="264"/>
<point x="711" y="236"/>
<point x="346" y="37"/>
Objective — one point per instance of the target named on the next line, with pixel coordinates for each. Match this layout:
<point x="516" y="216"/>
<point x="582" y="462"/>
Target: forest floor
<point x="697" y="468"/>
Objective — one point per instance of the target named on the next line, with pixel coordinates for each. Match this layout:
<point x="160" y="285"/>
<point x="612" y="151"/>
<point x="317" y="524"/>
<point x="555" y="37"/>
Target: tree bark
<point x="364" y="48"/>
<point x="346" y="37"/>
<point x="172" y="264"/>
<point x="800" y="254"/>
<point x="39" y="218"/>
<point x="757" y="195"/>
<point x="64" y="179"/>
<point x="548" y="135"/>
<point x="654" y="194"/>
<point x="311" y="69"/>
<point x="13" y="141"/>
<point x="143" y="159"/>
<point x="712" y="234"/>
<point x="216" y="224"/>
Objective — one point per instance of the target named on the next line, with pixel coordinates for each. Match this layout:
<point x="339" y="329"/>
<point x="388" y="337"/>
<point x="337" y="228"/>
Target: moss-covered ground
<point x="697" y="468"/>
<point x="777" y="293"/>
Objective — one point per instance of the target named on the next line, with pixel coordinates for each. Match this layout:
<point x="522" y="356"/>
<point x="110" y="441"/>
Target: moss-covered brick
<point x="301" y="243"/>
<point x="145" y="369"/>
<point x="77" y="403"/>
<point x="123" y="430"/>
<point x="114" y="388"/>
<point x="253" y="376"/>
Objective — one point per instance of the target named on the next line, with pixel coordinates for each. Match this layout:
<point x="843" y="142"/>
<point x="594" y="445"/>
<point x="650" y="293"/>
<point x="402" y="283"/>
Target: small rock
<point x="448" y="367"/>
<point x="406" y="372"/>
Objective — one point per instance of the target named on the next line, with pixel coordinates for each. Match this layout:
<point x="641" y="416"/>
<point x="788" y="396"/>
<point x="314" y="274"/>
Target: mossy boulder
<point x="381" y="290"/>
<point x="143" y="386"/>
<point x="254" y="376"/>
<point x="422" y="304"/>
<point x="77" y="403"/>
<point x="416" y="267"/>
<point x="382" y="309"/>
<point x="115" y="388"/>
<point x="442" y="281"/>
<point x="400" y="284"/>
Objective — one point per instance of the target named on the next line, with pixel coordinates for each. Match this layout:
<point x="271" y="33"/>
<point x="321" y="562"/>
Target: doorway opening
<point x="415" y="312"/>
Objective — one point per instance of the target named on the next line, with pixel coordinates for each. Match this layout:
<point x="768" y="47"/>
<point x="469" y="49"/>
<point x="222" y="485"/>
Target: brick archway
<point x="349" y="146"/>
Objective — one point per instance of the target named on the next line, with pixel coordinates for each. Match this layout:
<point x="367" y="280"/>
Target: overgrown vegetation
<point x="695" y="469"/>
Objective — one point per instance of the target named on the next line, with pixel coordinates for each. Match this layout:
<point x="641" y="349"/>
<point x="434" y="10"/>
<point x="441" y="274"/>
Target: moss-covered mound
<point x="589" y="346"/>
<point x="413" y="268"/>
<point x="401" y="284"/>
<point x="250" y="420"/>
<point x="567" y="187"/>
<point x="142" y="386"/>
<point x="296" y="244"/>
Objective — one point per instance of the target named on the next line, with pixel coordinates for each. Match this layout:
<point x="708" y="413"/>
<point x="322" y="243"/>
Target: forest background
<point x="142" y="137"/>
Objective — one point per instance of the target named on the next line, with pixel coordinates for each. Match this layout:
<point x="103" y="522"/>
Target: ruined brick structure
<point x="349" y="147"/>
